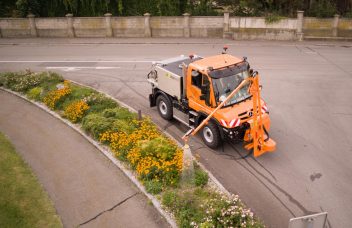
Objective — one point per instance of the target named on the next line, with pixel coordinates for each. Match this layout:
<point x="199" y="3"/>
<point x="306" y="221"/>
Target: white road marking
<point x="77" y="61"/>
<point x="76" y="68"/>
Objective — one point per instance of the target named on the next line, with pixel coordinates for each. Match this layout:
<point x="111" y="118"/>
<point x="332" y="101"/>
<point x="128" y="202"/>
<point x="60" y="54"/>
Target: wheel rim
<point x="163" y="107"/>
<point x="208" y="134"/>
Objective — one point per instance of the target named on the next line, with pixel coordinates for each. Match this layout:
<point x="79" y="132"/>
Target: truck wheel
<point x="164" y="107"/>
<point x="211" y="135"/>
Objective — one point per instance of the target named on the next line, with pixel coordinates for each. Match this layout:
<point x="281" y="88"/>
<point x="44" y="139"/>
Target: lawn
<point x="23" y="201"/>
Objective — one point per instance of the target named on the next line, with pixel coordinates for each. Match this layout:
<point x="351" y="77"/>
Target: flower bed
<point x="156" y="160"/>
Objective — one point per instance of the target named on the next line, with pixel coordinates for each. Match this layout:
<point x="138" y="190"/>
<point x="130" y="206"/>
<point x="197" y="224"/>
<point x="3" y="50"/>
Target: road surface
<point x="306" y="85"/>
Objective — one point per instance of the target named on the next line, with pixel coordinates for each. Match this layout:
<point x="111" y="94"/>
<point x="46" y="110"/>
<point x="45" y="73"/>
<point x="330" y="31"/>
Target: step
<point x="193" y="113"/>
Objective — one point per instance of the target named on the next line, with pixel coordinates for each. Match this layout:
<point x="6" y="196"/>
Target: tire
<point x="164" y="107"/>
<point x="211" y="135"/>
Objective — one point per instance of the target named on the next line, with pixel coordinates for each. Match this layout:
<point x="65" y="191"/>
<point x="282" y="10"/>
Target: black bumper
<point x="235" y="134"/>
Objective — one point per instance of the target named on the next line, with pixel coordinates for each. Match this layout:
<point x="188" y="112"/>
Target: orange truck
<point x="218" y="96"/>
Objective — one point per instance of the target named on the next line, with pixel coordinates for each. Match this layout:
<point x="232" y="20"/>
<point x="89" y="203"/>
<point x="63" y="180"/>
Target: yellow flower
<point x="76" y="110"/>
<point x="148" y="165"/>
<point x="54" y="96"/>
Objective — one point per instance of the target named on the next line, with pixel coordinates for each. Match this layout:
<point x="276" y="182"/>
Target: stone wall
<point x="206" y="27"/>
<point x="10" y="27"/>
<point x="128" y="26"/>
<point x="166" y="26"/>
<point x="89" y="26"/>
<point x="344" y="28"/>
<point x="317" y="27"/>
<point x="256" y="28"/>
<point x="51" y="27"/>
<point x="183" y="26"/>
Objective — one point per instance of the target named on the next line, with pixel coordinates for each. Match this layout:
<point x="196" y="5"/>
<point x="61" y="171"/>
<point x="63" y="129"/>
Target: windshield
<point x="225" y="85"/>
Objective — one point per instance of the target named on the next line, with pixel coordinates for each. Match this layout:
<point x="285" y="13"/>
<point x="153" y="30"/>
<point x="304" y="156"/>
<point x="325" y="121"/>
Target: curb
<point x="313" y="38"/>
<point x="119" y="41"/>
<point x="107" y="153"/>
<point x="168" y="41"/>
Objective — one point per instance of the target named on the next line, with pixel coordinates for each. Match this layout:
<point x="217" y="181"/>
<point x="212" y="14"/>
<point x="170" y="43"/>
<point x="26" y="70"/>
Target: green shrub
<point x="35" y="93"/>
<point x="99" y="102"/>
<point x="119" y="113"/>
<point x="153" y="186"/>
<point x="77" y="93"/>
<point x="228" y="212"/>
<point x="200" y="178"/>
<point x="124" y="126"/>
<point x="24" y="81"/>
<point x="348" y="14"/>
<point x="323" y="8"/>
<point x="272" y="18"/>
<point x="50" y="80"/>
<point x="50" y="77"/>
<point x="246" y="8"/>
<point x="19" y="81"/>
<point x="169" y="200"/>
<point x="159" y="147"/>
<point x="7" y="79"/>
<point x="96" y="124"/>
<point x="201" y="207"/>
<point x="186" y="206"/>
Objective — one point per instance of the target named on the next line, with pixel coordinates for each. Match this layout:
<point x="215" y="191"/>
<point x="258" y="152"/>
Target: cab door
<point x="199" y="91"/>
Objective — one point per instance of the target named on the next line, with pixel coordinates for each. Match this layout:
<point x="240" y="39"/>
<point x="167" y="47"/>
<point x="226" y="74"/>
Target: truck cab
<point x="191" y="88"/>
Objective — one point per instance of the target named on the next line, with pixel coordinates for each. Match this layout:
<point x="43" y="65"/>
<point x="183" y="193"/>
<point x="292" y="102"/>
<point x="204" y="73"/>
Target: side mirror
<point x="254" y="74"/>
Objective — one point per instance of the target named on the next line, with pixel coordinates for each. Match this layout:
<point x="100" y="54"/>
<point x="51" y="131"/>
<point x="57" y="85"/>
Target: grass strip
<point x="23" y="202"/>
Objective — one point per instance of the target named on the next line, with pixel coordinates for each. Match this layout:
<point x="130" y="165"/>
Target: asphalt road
<point x="307" y="87"/>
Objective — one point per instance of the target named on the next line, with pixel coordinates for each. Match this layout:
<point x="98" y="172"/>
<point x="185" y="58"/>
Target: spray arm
<point x="259" y="144"/>
<point x="205" y="121"/>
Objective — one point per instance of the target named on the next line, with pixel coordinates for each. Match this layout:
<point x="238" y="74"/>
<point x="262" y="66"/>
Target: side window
<point x="205" y="80"/>
<point x="197" y="79"/>
<point x="206" y="90"/>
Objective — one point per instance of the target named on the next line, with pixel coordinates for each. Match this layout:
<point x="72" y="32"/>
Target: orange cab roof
<point x="216" y="62"/>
